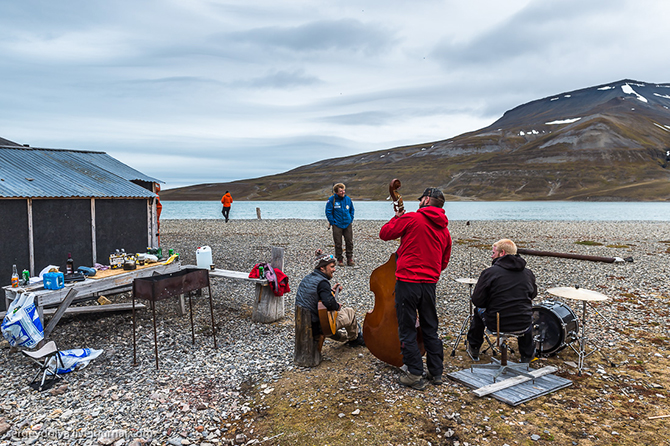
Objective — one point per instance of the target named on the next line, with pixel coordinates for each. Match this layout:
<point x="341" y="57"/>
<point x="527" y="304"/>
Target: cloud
<point x="279" y="80"/>
<point x="185" y="90"/>
<point x="318" y="36"/>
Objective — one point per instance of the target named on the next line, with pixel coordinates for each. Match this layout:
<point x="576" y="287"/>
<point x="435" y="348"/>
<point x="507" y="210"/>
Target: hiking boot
<point x="350" y="262"/>
<point x="340" y="262"/>
<point x="527" y="360"/>
<point x="473" y="353"/>
<point x="436" y="380"/>
<point x="358" y="342"/>
<point x="414" y="381"/>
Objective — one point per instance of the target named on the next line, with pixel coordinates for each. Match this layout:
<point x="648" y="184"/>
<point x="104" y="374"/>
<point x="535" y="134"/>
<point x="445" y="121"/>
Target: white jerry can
<point x="203" y="257"/>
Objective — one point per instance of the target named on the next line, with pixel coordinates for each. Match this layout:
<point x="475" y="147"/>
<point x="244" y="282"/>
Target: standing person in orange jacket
<point x="226" y="200"/>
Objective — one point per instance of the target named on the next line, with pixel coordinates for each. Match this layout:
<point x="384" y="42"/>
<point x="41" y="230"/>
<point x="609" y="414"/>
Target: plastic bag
<point x="74" y="359"/>
<point x="22" y="325"/>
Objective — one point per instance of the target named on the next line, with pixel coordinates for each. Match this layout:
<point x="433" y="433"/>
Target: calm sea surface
<point x="380" y="210"/>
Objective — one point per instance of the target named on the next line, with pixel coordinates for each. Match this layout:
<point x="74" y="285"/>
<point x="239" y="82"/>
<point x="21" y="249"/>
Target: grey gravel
<point x="199" y="391"/>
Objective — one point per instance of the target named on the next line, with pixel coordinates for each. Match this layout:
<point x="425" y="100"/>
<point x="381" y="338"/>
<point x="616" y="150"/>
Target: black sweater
<point x="507" y="288"/>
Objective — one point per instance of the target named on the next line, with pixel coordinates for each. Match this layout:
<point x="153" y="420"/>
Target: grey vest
<point x="307" y="296"/>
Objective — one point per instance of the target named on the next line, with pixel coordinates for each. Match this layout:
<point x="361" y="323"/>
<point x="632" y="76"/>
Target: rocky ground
<point x="247" y="391"/>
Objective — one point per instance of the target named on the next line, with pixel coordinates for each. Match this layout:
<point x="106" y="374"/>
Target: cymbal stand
<point x="584" y="339"/>
<point x="466" y="325"/>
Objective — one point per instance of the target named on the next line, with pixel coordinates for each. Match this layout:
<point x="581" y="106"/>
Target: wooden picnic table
<point x="104" y="282"/>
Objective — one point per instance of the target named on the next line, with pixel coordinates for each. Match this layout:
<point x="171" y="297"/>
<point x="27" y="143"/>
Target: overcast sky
<point x="194" y="91"/>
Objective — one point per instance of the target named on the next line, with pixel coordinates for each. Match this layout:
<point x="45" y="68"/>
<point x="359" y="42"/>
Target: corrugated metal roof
<point x="27" y="172"/>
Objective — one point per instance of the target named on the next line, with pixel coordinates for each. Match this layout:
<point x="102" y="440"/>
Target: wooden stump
<point x="268" y="307"/>
<point x="307" y="349"/>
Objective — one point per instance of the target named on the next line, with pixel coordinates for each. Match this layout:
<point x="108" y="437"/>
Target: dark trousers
<point x="410" y="299"/>
<point x="348" y="234"/>
<point x="476" y="335"/>
<point x="226" y="212"/>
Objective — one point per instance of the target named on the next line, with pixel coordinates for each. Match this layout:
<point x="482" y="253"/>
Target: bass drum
<point x="555" y="326"/>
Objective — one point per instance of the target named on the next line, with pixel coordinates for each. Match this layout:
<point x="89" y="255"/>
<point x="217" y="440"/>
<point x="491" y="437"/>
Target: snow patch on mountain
<point x="627" y="89"/>
<point x="563" y="121"/>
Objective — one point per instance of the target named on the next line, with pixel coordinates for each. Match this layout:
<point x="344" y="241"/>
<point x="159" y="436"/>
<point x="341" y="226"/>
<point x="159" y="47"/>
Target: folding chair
<point x="42" y="358"/>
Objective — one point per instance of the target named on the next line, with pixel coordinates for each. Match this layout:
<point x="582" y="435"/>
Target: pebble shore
<point x="199" y="391"/>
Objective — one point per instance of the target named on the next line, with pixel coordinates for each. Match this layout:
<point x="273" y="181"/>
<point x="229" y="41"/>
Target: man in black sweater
<point x="506" y="288"/>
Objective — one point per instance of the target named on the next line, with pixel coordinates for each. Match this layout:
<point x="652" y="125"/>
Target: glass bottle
<point x="15" y="277"/>
<point x="69" y="268"/>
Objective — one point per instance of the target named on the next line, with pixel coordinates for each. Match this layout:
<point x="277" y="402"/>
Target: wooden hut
<point x="54" y="202"/>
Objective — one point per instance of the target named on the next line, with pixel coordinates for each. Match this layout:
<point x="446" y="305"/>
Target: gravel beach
<point x="199" y="392"/>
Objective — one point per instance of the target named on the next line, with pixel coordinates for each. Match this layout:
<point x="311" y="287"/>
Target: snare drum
<point x="555" y="325"/>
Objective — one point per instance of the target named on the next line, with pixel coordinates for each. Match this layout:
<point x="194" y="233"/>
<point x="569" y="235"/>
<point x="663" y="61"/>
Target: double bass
<point x="380" y="328"/>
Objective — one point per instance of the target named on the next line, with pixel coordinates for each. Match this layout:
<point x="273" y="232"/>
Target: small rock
<point x="58" y="390"/>
<point x="110" y="437"/>
<point x="341" y="415"/>
<point x="4" y="427"/>
<point x="356" y="412"/>
<point x="240" y="438"/>
<point x="535" y="437"/>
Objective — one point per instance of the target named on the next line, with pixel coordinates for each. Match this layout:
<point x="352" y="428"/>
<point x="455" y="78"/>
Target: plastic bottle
<point x="69" y="268"/>
<point x="15" y="277"/>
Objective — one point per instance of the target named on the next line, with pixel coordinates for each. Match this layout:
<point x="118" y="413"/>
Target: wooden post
<point x="268" y="307"/>
<point x="258" y="213"/>
<point x="307" y="349"/>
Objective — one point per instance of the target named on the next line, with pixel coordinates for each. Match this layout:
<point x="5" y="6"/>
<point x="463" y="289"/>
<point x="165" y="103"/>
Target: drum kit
<point x="555" y="325"/>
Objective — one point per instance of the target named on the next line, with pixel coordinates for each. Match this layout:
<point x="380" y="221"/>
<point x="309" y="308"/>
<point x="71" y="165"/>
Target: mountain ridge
<point x="603" y="143"/>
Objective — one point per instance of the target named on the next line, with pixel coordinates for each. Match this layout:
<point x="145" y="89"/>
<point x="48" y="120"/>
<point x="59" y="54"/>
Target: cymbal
<point x="466" y="280"/>
<point x="577" y="294"/>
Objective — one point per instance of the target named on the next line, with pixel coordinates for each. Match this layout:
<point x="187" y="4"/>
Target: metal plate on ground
<point x="515" y="395"/>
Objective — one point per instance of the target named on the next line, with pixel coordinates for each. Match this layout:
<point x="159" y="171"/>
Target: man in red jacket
<point x="425" y="248"/>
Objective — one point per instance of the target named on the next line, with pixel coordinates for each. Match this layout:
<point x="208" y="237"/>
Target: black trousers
<point x="226" y="212"/>
<point x="412" y="299"/>
<point x="348" y="234"/>
<point x="476" y="335"/>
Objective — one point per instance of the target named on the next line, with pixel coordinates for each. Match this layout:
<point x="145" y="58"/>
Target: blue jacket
<point x="340" y="211"/>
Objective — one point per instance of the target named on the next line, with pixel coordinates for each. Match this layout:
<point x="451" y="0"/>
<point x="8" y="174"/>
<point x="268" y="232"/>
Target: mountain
<point x="605" y="143"/>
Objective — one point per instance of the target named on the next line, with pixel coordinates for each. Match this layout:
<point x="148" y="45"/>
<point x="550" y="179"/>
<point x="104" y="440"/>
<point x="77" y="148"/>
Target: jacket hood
<point x="437" y="216"/>
<point x="510" y="262"/>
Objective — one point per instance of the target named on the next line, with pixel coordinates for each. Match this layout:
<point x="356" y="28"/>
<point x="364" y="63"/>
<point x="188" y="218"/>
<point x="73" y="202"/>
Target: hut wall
<point x="120" y="224"/>
<point x="62" y="226"/>
<point x="14" y="247"/>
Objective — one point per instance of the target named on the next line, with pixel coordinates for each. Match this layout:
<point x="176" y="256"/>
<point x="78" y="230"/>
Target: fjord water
<point x="457" y="210"/>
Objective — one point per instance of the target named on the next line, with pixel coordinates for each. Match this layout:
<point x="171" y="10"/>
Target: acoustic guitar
<point x="328" y="318"/>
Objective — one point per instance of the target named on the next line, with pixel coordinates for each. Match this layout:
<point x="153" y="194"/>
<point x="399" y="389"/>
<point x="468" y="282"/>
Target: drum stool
<point x="502" y="366"/>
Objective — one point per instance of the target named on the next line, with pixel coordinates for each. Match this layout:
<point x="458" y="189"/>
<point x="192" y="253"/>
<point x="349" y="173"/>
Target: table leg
<point x="155" y="336"/>
<point x="211" y="311"/>
<point x="190" y="308"/>
<point x="134" y="329"/>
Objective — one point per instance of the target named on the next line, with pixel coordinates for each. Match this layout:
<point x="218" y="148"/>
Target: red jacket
<point x="425" y="245"/>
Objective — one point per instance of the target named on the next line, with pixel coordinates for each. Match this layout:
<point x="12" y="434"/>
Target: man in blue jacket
<point x="340" y="215"/>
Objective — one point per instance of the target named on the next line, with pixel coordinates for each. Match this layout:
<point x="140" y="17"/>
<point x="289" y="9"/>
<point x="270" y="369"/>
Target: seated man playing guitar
<point x="315" y="291"/>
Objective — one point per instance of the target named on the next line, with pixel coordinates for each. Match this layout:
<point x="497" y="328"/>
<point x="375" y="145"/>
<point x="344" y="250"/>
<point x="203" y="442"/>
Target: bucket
<point x="203" y="257"/>
<point x="53" y="281"/>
